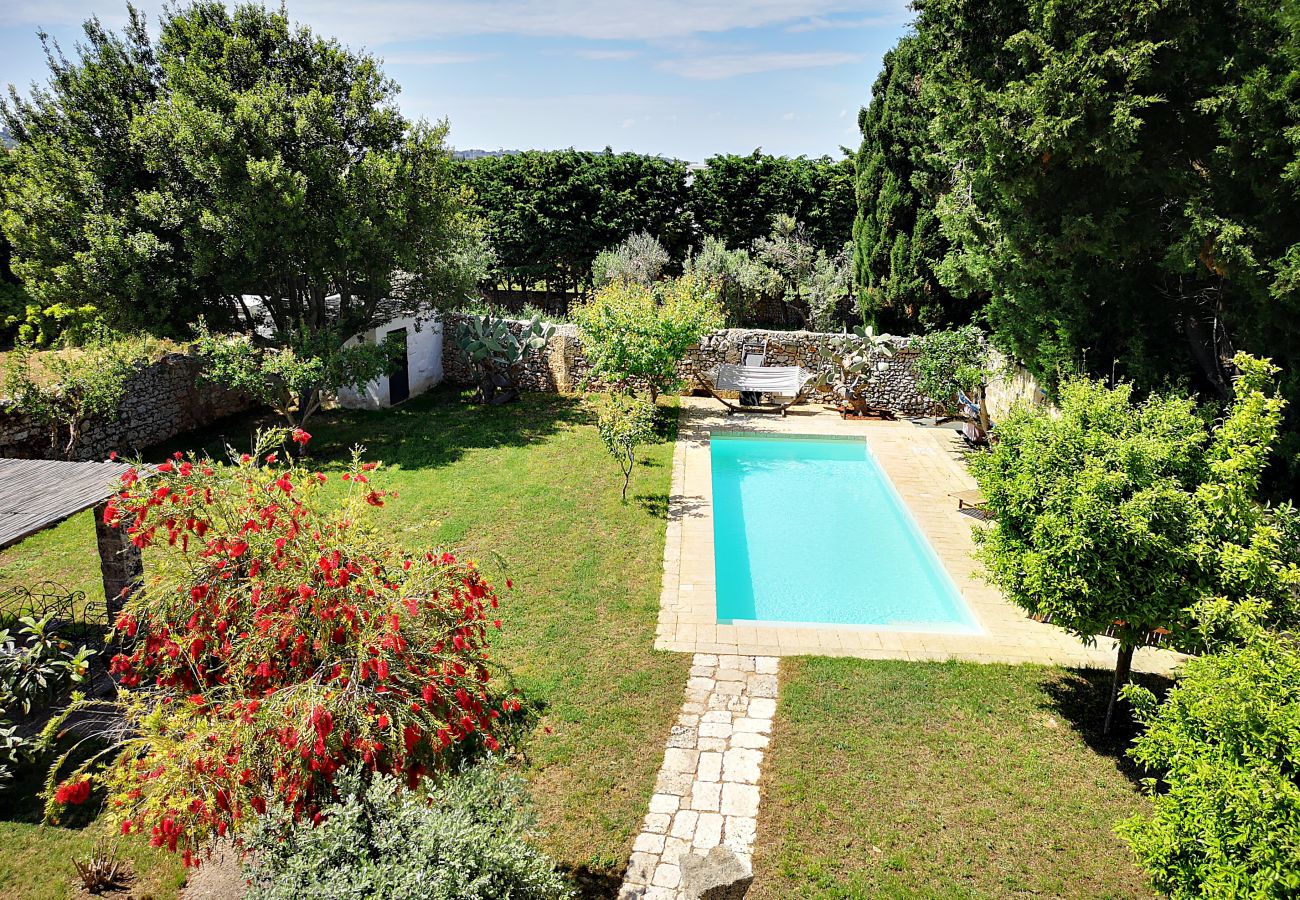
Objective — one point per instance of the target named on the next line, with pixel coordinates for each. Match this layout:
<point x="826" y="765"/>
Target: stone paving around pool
<point x="706" y="795"/>
<point x="925" y="467"/>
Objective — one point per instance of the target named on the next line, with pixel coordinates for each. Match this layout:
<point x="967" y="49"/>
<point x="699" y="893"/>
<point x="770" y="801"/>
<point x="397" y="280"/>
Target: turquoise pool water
<point x="811" y="530"/>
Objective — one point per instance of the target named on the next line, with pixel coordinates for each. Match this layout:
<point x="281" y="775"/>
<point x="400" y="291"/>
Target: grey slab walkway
<point x="706" y="794"/>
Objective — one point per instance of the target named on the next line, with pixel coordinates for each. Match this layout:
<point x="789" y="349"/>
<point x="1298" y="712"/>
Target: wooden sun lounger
<point x="973" y="499"/>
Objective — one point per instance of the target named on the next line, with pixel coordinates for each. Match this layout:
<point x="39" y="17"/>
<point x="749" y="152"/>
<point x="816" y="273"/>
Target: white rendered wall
<point x="423" y="360"/>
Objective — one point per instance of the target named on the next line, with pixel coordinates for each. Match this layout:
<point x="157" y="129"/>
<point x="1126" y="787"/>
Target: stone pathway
<point x="707" y="792"/>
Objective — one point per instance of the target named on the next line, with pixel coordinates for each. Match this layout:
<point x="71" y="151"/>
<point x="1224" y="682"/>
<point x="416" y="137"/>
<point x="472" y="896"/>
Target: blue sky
<point x="684" y="78"/>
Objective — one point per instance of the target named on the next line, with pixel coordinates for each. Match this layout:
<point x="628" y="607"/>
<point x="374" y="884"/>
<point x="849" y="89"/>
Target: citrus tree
<point x="635" y="334"/>
<point x="1223" y="756"/>
<point x="951" y="361"/>
<point x="277" y="638"/>
<point x="1138" y="515"/>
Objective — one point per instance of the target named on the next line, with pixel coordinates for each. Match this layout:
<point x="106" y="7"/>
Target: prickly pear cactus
<point x="498" y="353"/>
<point x="851" y="364"/>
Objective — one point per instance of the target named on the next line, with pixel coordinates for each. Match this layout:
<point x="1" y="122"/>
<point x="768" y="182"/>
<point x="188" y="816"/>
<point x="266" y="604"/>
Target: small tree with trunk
<point x="293" y="381"/>
<point x="635" y="334"/>
<point x="1140" y="515"/>
<point x="624" y="422"/>
<point x="952" y="361"/>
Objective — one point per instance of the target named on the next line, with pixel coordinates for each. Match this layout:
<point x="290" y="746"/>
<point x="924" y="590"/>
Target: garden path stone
<point x="698" y="837"/>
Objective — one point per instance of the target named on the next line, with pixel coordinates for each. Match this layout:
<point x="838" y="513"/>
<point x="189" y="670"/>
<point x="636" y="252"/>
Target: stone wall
<point x="162" y="400"/>
<point x="1014" y="385"/>
<point x="562" y="366"/>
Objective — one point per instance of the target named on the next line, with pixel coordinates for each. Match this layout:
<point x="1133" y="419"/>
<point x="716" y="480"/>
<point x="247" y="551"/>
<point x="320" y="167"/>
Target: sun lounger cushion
<point x="783" y="380"/>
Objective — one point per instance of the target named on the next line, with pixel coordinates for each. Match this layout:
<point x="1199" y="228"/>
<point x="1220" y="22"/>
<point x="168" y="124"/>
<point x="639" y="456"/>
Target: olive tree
<point x="1140" y="514"/>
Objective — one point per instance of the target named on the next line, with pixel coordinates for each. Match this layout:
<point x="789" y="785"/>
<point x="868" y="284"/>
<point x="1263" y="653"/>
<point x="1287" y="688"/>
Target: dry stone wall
<point x="562" y="366"/>
<point x="162" y="400"/>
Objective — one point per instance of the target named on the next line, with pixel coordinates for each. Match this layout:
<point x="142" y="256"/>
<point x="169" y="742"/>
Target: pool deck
<point x="925" y="467"/>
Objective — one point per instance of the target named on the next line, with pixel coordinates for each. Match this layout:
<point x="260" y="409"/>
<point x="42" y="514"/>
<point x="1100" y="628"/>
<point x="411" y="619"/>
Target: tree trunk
<point x="1123" y="666"/>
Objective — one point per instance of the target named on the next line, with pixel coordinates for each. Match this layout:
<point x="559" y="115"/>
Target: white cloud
<point x="615" y="55"/>
<point x="710" y="68"/>
<point x="788" y="117"/>
<point x="628" y="123"/>
<point x="434" y="58"/>
<point x="843" y="113"/>
<point x="888" y="19"/>
<point x="381" y="22"/>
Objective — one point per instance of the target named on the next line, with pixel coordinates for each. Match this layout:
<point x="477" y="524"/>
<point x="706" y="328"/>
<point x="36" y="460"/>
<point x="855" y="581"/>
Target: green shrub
<point x="952" y="361"/>
<point x="36" y="667"/>
<point x="1225" y="747"/>
<point x="1142" y="515"/>
<point x="64" y="390"/>
<point x="466" y="839"/>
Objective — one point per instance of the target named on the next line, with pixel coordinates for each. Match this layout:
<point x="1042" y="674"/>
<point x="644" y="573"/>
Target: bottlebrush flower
<point x="73" y="793"/>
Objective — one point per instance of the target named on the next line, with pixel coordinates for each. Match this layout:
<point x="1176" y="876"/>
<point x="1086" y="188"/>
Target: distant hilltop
<point x="6" y="139"/>
<point x="479" y="154"/>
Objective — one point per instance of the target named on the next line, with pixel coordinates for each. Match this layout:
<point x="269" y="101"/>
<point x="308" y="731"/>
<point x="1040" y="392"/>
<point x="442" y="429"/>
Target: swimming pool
<point x="809" y="530"/>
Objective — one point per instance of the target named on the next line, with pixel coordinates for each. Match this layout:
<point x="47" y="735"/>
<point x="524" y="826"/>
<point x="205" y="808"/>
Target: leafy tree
<point x="789" y="253"/>
<point x="294" y="381"/>
<point x="828" y="288"/>
<point x="241" y="155"/>
<point x="898" y="243"/>
<point x="624" y="423"/>
<point x="1141" y="516"/>
<point x="735" y="198"/>
<point x="741" y="280"/>
<point x="952" y="361"/>
<point x="278" y="639"/>
<point x="635" y="335"/>
<point x="1222" y="750"/>
<point x="549" y="214"/>
<point x="1121" y="181"/>
<point x="640" y="258"/>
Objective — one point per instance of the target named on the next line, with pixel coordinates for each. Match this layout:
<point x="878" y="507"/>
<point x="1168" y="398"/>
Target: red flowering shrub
<point x="276" y="639"/>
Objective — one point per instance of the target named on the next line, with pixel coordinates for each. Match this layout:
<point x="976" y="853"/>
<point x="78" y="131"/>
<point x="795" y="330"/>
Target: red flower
<point x="300" y="437"/>
<point x="73" y="793"/>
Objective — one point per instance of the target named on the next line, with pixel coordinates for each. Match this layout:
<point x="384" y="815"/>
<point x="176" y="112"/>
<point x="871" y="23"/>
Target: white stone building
<point x="422" y="337"/>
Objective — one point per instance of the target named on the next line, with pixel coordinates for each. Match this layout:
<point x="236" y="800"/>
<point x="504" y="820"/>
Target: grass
<point x="529" y="491"/>
<point x="940" y="780"/>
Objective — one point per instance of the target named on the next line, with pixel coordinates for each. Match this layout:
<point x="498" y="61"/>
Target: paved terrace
<point x="925" y="466"/>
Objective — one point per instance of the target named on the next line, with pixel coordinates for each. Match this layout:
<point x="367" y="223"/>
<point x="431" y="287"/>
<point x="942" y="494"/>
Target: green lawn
<point x="941" y="780"/>
<point x="885" y="779"/>
<point x="529" y="491"/>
